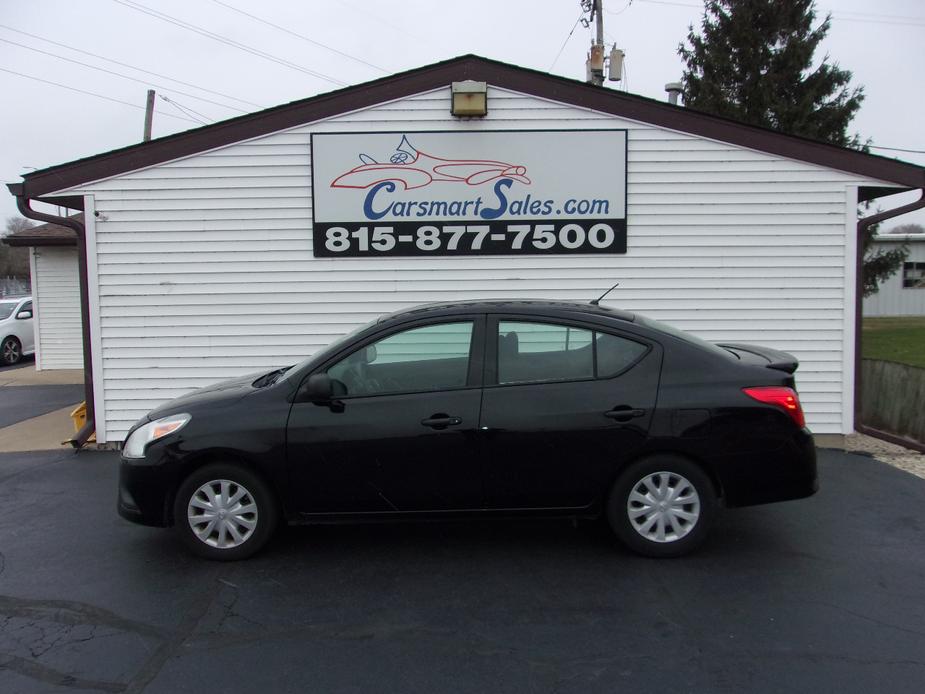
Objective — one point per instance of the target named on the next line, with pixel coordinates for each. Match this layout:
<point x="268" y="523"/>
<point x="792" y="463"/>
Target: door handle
<point x="624" y="413"/>
<point x="441" y="421"/>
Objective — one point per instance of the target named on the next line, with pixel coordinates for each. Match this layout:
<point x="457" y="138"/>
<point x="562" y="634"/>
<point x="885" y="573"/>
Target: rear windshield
<point x="687" y="337"/>
<point x="6" y="310"/>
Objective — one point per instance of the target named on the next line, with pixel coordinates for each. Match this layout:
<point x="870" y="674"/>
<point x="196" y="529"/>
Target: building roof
<point x="44" y="235"/>
<point x="496" y="74"/>
<point x="900" y="238"/>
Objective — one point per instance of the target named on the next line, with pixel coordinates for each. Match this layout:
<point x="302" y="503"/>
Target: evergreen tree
<point x="754" y="62"/>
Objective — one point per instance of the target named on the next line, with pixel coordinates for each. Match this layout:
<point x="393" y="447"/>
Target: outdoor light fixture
<point x="470" y="98"/>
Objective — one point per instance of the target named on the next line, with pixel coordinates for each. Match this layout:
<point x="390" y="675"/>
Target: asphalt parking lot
<point x="824" y="594"/>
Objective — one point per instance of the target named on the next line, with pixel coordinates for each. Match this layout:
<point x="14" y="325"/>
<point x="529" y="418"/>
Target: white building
<point x="55" y="294"/>
<point x="902" y="294"/>
<point x="202" y="263"/>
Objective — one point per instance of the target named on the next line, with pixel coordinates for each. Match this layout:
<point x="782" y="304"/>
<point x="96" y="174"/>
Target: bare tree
<point x="14" y="262"/>
<point x="14" y="224"/>
<point x="907" y="229"/>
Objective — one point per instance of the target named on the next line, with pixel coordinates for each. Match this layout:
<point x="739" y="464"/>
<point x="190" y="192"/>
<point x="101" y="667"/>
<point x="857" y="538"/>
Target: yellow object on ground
<point x="79" y="415"/>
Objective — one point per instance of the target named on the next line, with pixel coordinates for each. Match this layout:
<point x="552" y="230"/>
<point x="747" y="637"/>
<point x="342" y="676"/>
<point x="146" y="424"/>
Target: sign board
<point x="469" y="193"/>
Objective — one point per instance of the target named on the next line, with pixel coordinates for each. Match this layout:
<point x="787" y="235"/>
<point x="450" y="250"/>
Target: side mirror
<point x="24" y="315"/>
<point x="319" y="389"/>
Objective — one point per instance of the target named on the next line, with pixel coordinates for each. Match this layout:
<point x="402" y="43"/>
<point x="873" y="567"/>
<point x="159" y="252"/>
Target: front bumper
<point x="145" y="493"/>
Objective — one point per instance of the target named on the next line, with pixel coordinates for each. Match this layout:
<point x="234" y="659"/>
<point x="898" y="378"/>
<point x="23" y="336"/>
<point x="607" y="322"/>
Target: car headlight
<point x="135" y="445"/>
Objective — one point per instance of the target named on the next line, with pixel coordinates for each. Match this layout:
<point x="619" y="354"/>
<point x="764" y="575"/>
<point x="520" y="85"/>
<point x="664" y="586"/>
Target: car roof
<point x="14" y="299"/>
<point x="531" y="306"/>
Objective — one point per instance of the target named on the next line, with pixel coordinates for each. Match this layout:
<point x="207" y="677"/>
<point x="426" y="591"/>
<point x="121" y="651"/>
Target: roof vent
<point x="674" y="91"/>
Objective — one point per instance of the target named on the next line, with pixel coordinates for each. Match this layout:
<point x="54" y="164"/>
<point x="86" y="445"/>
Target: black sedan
<point x="489" y="408"/>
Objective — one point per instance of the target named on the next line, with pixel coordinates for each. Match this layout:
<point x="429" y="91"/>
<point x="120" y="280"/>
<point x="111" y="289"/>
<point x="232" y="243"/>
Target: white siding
<point x="56" y="291"/>
<point x="892" y="299"/>
<point x="205" y="267"/>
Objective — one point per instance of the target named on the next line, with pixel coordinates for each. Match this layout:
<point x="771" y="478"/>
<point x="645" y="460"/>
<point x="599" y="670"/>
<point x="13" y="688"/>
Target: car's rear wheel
<point x="10" y="351"/>
<point x="225" y="512"/>
<point x="662" y="506"/>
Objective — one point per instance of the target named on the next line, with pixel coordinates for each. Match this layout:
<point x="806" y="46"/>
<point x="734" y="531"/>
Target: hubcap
<point x="663" y="507"/>
<point x="222" y="514"/>
<point x="10" y="351"/>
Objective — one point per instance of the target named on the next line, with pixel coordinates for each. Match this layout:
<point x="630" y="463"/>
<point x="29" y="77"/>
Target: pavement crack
<point x="168" y="649"/>
<point x="73" y="613"/>
<point x="867" y="618"/>
<point x="48" y="675"/>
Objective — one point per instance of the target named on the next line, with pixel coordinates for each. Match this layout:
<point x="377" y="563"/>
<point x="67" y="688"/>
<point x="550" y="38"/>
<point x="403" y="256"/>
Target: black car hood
<point x="225" y="392"/>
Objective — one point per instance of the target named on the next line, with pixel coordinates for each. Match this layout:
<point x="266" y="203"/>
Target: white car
<point x="16" y="331"/>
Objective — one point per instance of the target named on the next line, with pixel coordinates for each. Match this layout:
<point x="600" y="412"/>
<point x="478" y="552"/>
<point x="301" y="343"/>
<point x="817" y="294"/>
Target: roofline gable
<point x="428" y="78"/>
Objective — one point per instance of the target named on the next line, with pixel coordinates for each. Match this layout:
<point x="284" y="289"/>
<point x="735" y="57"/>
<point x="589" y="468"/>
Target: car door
<point x="403" y="436"/>
<point x="26" y="328"/>
<point x="564" y="406"/>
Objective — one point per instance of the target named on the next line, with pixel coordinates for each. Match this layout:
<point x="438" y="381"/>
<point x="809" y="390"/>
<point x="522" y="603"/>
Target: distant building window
<point x="913" y="275"/>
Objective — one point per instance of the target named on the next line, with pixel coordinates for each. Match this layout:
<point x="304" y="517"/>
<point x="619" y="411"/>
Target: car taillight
<point x="782" y="397"/>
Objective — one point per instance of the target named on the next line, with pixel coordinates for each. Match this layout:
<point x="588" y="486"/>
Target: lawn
<point x="895" y="339"/>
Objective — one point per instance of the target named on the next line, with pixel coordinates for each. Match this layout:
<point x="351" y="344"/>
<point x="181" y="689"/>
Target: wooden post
<point x="149" y="115"/>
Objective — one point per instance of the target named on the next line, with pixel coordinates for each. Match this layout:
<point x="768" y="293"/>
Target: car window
<point x="538" y="352"/>
<point x="26" y="306"/>
<point x="429" y="358"/>
<point x="6" y="310"/>
<point x="531" y="352"/>
<point x="614" y="354"/>
<point x="685" y="336"/>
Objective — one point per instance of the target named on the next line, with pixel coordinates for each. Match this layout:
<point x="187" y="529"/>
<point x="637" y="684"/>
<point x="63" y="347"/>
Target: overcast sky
<point x="341" y="42"/>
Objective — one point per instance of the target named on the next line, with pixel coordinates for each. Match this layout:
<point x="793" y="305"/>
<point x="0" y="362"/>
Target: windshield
<point x="6" y="310"/>
<point x="687" y="337"/>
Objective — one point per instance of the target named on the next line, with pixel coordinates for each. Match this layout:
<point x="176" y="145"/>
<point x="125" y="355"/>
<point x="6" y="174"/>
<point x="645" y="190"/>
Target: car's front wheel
<point x="662" y="506"/>
<point x="10" y="351"/>
<point x="225" y="512"/>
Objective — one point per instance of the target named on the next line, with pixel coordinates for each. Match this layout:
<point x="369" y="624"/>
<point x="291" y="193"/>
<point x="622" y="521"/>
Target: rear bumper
<point x="783" y="474"/>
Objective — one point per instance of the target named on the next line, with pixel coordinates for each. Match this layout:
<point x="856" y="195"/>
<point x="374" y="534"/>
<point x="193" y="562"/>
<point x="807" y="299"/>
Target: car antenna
<point x="597" y="301"/>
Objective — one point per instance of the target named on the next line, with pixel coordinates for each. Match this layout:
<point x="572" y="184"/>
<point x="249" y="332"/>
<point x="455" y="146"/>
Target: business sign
<point x="469" y="193"/>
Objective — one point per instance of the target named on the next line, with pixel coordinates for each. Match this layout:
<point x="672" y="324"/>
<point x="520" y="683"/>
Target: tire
<point x="240" y="528"/>
<point x="10" y="351"/>
<point x="676" y="527"/>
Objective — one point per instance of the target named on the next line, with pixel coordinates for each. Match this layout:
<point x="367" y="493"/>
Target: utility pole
<point x="599" y="17"/>
<point x="595" y="63"/>
<point x="149" y="115"/>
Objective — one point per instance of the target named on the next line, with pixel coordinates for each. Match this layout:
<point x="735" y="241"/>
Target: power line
<point x="298" y="35"/>
<point x="224" y="39"/>
<point x="562" y="47"/>
<point x="82" y="91"/>
<point x="873" y="15"/>
<point x="842" y="18"/>
<point x="119" y="74"/>
<point x="131" y="67"/>
<point x="895" y="20"/>
<point x="205" y="120"/>
<point x="403" y="30"/>
<point x="625" y="8"/>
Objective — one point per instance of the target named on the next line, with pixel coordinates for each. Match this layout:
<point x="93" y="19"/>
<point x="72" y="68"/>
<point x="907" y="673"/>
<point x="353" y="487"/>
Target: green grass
<point x="895" y="339"/>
